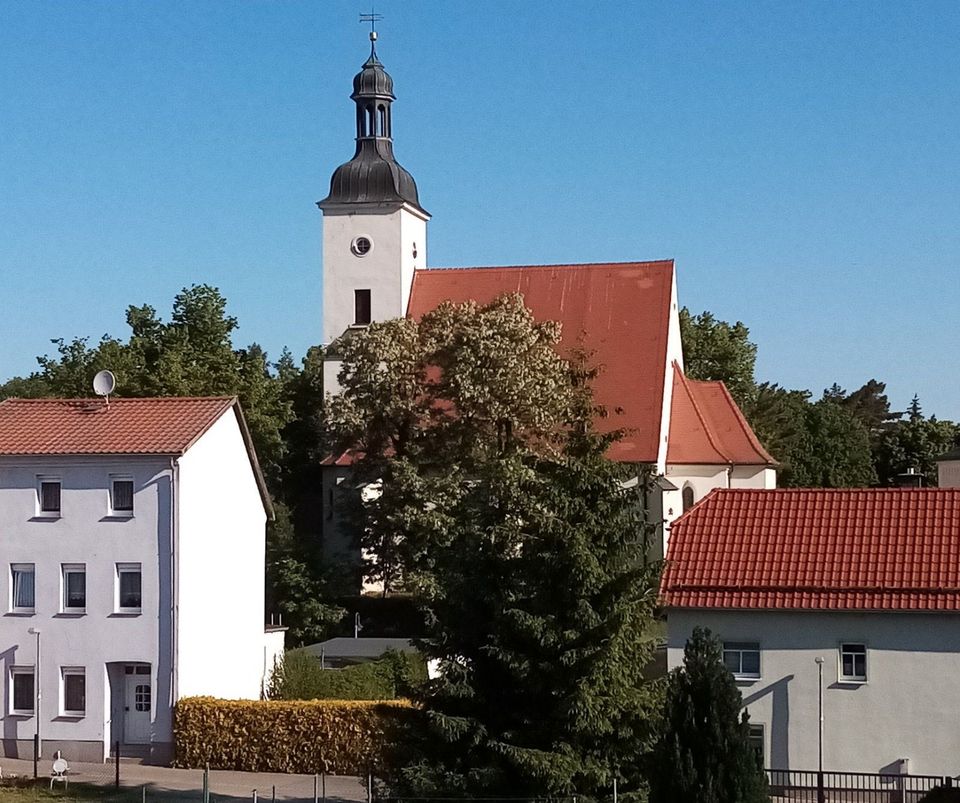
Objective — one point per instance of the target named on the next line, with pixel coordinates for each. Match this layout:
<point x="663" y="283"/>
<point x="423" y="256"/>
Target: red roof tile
<point x="89" y="426"/>
<point x="620" y="310"/>
<point x="848" y="549"/>
<point x="707" y="427"/>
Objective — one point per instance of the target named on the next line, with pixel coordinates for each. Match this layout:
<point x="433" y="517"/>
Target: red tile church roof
<point x="802" y="549"/>
<point x="707" y="427"/>
<point x="620" y="310"/>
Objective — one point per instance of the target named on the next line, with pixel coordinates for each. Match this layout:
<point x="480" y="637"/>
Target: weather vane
<point x="373" y="18"/>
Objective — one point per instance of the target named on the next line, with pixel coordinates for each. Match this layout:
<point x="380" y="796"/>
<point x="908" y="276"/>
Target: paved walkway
<point x="225" y="786"/>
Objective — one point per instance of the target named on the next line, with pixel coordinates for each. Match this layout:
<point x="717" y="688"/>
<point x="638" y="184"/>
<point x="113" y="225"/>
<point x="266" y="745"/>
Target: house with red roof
<point x="131" y="570"/>
<point x="845" y="601"/>
<point x="626" y="314"/>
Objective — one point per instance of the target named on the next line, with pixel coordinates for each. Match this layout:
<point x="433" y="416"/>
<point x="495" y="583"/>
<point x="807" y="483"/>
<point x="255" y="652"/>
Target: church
<point x="375" y="268"/>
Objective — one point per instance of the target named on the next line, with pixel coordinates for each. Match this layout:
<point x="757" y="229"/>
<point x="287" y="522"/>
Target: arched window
<point x="688" y="499"/>
<point x="371" y="122"/>
<point x="382" y="121"/>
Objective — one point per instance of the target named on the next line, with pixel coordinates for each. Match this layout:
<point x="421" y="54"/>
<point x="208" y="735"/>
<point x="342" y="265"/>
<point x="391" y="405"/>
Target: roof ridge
<point x="547" y="266"/>
<point x="113" y="399"/>
<point x="850" y="490"/>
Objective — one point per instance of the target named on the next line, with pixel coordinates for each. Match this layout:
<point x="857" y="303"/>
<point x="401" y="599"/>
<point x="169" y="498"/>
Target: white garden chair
<point x="59" y="772"/>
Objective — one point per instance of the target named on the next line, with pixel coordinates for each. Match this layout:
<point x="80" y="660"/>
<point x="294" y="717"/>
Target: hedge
<point x="300" y="677"/>
<point x="343" y="737"/>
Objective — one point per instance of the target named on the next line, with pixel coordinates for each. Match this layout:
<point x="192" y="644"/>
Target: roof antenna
<point x="373" y="18"/>
<point x="104" y="383"/>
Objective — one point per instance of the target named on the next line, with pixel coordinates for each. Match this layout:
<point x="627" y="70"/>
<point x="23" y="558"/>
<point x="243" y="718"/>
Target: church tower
<point x="374" y="229"/>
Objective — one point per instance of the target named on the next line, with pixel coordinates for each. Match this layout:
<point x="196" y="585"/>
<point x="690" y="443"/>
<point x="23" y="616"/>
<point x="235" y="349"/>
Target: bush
<point x="341" y="737"/>
<point x="300" y="677"/>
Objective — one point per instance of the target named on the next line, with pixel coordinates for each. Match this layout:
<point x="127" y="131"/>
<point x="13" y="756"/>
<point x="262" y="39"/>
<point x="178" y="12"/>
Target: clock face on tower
<point x="361" y="246"/>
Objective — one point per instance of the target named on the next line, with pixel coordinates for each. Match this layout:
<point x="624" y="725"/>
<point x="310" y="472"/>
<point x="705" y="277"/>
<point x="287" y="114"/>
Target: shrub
<point x="299" y="677"/>
<point x="335" y="736"/>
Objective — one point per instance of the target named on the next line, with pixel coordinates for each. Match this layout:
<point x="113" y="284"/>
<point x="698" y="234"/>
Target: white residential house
<point x="862" y="585"/>
<point x="132" y="542"/>
<point x="690" y="433"/>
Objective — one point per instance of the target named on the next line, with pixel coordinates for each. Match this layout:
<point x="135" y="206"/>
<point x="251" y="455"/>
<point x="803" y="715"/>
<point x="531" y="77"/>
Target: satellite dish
<point x="104" y="383"/>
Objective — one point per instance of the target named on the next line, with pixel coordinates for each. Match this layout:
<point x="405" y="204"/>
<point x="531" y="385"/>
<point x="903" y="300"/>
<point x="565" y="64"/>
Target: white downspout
<point x="174" y="580"/>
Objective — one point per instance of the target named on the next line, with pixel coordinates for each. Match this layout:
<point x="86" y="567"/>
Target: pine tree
<point x="703" y="754"/>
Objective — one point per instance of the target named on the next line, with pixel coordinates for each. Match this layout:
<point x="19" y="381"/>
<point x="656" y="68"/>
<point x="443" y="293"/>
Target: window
<point x="121" y="496"/>
<point x="141" y="696"/>
<point x="755" y="739"/>
<point x="22" y="587"/>
<point x="361" y="246"/>
<point x="361" y="307"/>
<point x="742" y="658"/>
<point x="74" y="688"/>
<point x="853" y="662"/>
<point x="687" y="498"/>
<point x="74" y="588"/>
<point x="48" y="496"/>
<point x="22" y="694"/>
<point x="128" y="588"/>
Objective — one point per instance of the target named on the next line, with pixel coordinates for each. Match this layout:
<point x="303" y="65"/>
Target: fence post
<point x="36" y="754"/>
<point x="144" y="794"/>
<point x="206" y="783"/>
<point x="323" y="785"/>
<point x="821" y="796"/>
<point x="116" y="780"/>
<point x="254" y="796"/>
<point x="316" y="788"/>
<point x="369" y="786"/>
<point x="273" y="797"/>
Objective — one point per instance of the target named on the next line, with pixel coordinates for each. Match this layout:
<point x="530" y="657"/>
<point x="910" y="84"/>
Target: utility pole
<point x="821" y="797"/>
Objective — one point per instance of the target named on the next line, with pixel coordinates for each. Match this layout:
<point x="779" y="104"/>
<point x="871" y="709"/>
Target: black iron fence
<point x="811" y="786"/>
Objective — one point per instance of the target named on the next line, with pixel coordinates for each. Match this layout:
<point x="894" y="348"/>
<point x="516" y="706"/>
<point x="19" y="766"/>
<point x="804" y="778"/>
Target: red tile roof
<point x="620" y="310"/>
<point x="707" y="427"/>
<point x="848" y="549"/>
<point x="89" y="426"/>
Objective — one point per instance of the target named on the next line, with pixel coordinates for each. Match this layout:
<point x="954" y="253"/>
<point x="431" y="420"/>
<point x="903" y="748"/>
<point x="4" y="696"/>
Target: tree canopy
<point x="521" y="541"/>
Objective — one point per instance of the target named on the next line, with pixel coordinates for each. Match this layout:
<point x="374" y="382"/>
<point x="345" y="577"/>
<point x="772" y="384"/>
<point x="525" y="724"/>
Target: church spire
<point x="373" y="175"/>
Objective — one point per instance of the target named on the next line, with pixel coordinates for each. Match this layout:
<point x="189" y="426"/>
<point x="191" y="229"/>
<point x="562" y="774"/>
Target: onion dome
<point x="373" y="175"/>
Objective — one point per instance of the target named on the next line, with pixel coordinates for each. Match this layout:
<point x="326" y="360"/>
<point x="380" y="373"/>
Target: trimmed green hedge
<point x="393" y="676"/>
<point x="343" y="737"/>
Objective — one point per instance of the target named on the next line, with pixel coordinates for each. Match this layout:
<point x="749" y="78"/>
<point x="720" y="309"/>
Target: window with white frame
<point x="48" y="496"/>
<point x="121" y="496"/>
<point x="853" y="662"/>
<point x="22" y="694"/>
<point x="74" y="588"/>
<point x="742" y="658"/>
<point x="23" y="588"/>
<point x="73" y="691"/>
<point x="129" y="597"/>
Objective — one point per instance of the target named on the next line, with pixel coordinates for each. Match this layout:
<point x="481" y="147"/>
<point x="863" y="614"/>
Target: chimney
<point x="911" y="478"/>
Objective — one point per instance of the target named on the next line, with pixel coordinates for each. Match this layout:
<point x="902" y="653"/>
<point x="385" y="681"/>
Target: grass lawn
<point x="77" y="793"/>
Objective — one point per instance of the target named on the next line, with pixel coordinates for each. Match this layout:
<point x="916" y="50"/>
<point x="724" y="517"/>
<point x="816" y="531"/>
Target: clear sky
<point x="799" y="161"/>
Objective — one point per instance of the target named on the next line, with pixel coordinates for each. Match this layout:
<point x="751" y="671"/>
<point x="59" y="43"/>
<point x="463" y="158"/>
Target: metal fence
<point x="811" y="786"/>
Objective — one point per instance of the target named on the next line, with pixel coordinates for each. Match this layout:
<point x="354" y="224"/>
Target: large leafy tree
<point x="519" y="538"/>
<point x="704" y="754"/>
<point x="832" y="450"/>
<point x="914" y="444"/>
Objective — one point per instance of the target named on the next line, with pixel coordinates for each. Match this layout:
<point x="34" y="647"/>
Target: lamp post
<point x="35" y="631"/>
<point x="820" y="794"/>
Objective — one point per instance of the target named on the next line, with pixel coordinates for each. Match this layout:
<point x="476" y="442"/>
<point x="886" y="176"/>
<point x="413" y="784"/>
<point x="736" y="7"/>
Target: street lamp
<point x="820" y="795"/>
<point x="34" y="631"/>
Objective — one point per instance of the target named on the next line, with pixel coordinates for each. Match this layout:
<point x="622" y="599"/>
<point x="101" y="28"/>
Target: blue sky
<point x="799" y="161"/>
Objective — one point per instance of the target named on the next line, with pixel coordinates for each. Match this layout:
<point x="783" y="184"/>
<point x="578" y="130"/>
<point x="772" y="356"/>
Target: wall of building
<point x="386" y="270"/>
<point x="948" y="474"/>
<point x="674" y="354"/>
<point x="908" y="708"/>
<point x="84" y="533"/>
<point x="220" y="568"/>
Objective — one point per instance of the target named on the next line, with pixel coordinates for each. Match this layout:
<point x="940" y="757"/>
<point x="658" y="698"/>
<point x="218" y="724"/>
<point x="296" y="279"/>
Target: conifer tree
<point x="704" y="754"/>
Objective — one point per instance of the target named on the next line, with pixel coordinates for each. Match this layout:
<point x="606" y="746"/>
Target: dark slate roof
<point x="367" y="648"/>
<point x="372" y="80"/>
<point x="373" y="175"/>
<point x="953" y="454"/>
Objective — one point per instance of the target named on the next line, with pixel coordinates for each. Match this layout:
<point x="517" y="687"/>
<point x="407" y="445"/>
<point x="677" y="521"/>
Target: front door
<point x="138" y="703"/>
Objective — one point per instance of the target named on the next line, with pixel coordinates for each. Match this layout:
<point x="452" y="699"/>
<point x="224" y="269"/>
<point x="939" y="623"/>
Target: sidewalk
<point x="177" y="784"/>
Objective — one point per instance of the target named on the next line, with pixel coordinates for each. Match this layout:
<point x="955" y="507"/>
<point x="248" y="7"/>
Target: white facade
<point x="948" y="473"/>
<point x="397" y="237"/>
<point x="196" y="535"/>
<point x="908" y="706"/>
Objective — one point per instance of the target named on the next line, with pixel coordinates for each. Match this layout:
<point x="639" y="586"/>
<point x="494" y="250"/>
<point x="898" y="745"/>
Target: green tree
<point x="704" y="754"/>
<point x="715" y="350"/>
<point x="914" y="444"/>
<point x="832" y="450"/>
<point x="518" y="536"/>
